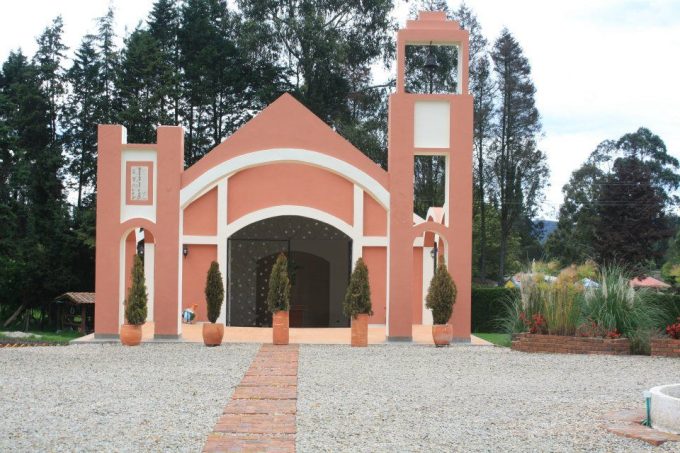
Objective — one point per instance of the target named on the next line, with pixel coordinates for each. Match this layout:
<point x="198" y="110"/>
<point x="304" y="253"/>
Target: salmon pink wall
<point x="200" y="217"/>
<point x="194" y="273"/>
<point x="130" y="252"/>
<point x="417" y="288"/>
<point x="289" y="184"/>
<point x="375" y="217"/>
<point x="376" y="261"/>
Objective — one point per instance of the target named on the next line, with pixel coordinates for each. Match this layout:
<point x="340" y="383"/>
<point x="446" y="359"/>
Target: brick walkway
<point x="261" y="413"/>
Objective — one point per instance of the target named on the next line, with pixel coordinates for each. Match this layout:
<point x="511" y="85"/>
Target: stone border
<point x="261" y="413"/>
<point x="527" y="342"/>
<point x="21" y="343"/>
<point x="665" y="347"/>
<point x="628" y="423"/>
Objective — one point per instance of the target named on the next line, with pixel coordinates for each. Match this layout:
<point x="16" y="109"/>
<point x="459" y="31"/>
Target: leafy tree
<point x="358" y="295"/>
<point x="519" y="168"/>
<point x="441" y="295"/>
<point x="574" y="239"/>
<point x="630" y="220"/>
<point x="278" y="296"/>
<point x="214" y="292"/>
<point x="135" y="303"/>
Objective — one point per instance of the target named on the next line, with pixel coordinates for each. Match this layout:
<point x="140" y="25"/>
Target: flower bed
<point x="528" y="342"/>
<point x="666" y="347"/>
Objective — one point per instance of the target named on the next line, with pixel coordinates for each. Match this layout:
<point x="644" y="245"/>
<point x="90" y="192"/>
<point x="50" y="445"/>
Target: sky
<point x="602" y="68"/>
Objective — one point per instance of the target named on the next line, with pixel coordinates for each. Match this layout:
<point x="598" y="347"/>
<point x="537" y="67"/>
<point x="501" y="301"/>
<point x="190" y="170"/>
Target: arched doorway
<point x="319" y="257"/>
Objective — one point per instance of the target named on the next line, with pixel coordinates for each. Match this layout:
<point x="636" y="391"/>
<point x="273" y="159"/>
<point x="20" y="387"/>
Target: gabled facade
<point x="286" y="182"/>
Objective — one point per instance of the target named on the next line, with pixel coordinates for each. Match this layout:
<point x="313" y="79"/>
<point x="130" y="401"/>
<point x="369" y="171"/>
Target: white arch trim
<point x="279" y="155"/>
<point x="286" y="210"/>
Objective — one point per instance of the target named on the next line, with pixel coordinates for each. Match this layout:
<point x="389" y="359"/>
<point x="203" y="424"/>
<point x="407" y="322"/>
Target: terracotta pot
<point x="280" y="327"/>
<point x="213" y="333"/>
<point x="130" y="335"/>
<point x="442" y="334"/>
<point x="360" y="330"/>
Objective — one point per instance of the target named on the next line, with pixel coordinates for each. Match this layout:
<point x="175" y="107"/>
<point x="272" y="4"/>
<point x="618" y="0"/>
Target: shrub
<point x="358" y="295"/>
<point x="278" y="297"/>
<point x="441" y="295"/>
<point x="135" y="305"/>
<point x="214" y="292"/>
<point x="668" y="303"/>
<point x="488" y="305"/>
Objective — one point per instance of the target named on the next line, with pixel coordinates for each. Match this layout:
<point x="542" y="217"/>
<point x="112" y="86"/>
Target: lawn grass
<point x="50" y="337"/>
<point x="499" y="339"/>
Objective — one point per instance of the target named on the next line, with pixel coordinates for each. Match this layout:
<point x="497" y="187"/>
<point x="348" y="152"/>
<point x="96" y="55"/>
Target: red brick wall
<point x="666" y="347"/>
<point x="526" y="342"/>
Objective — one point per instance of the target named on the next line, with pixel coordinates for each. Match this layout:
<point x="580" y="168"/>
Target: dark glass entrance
<point x="319" y="263"/>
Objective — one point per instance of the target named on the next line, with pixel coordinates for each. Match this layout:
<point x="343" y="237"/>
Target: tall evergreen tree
<point x="630" y="220"/>
<point x="519" y="168"/>
<point x="574" y="239"/>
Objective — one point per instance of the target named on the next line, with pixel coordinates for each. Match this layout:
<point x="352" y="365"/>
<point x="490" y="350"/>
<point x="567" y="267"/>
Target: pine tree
<point x="214" y="292"/>
<point x="441" y="295"/>
<point x="358" y="296"/>
<point x="163" y="24"/>
<point x="519" y="168"/>
<point x="109" y="61"/>
<point x="278" y="296"/>
<point x="135" y="304"/>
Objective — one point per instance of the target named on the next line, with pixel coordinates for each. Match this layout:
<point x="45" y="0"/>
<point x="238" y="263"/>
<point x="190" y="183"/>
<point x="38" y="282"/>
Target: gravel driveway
<point x="156" y="397"/>
<point x="468" y="398"/>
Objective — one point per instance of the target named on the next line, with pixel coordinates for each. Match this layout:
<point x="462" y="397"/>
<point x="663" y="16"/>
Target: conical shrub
<point x="278" y="297"/>
<point x="358" y="295"/>
<point x="441" y="295"/>
<point x="135" y="305"/>
<point x="214" y="292"/>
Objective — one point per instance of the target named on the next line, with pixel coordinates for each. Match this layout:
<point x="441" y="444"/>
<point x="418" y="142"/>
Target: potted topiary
<point x="440" y="299"/>
<point x="278" y="299"/>
<point x="357" y="304"/>
<point x="214" y="293"/>
<point x="135" y="306"/>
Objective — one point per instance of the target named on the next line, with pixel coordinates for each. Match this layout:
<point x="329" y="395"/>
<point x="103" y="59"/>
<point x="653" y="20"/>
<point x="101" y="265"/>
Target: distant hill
<point x="546" y="229"/>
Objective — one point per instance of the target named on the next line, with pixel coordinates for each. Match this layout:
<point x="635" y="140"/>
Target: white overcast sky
<point x="601" y="67"/>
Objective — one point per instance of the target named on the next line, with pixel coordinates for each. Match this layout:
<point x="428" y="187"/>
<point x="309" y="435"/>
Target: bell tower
<point x="430" y="122"/>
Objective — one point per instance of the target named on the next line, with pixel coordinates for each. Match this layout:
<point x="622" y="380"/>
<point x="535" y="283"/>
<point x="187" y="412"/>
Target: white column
<point x="428" y="273"/>
<point x="222" y="242"/>
<point x="358" y="224"/>
<point x="149" y="270"/>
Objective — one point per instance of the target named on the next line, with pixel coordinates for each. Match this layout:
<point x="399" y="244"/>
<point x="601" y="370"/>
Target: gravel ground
<point x="468" y="398"/>
<point x="156" y="397"/>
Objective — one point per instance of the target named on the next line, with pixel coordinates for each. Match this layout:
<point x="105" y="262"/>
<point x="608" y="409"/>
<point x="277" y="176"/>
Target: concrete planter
<point x="666" y="347"/>
<point x="558" y="344"/>
<point x="665" y="408"/>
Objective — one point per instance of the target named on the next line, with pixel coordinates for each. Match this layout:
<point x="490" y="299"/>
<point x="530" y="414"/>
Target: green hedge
<point x="488" y="304"/>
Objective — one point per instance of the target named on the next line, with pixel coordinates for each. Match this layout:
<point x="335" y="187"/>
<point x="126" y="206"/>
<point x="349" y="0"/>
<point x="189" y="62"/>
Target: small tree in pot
<point x="440" y="299"/>
<point x="135" y="306"/>
<point x="278" y="299"/>
<point x="214" y="294"/>
<point x="357" y="304"/>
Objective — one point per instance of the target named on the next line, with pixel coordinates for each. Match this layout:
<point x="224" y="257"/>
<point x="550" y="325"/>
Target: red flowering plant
<point x="535" y="323"/>
<point x="673" y="330"/>
<point x="592" y="329"/>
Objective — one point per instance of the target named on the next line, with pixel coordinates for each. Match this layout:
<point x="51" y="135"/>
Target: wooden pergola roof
<point x="76" y="298"/>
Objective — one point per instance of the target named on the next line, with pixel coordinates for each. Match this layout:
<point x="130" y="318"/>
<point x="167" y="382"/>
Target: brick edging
<point x="261" y="415"/>
<point x="665" y="347"/>
<point x="527" y="342"/>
